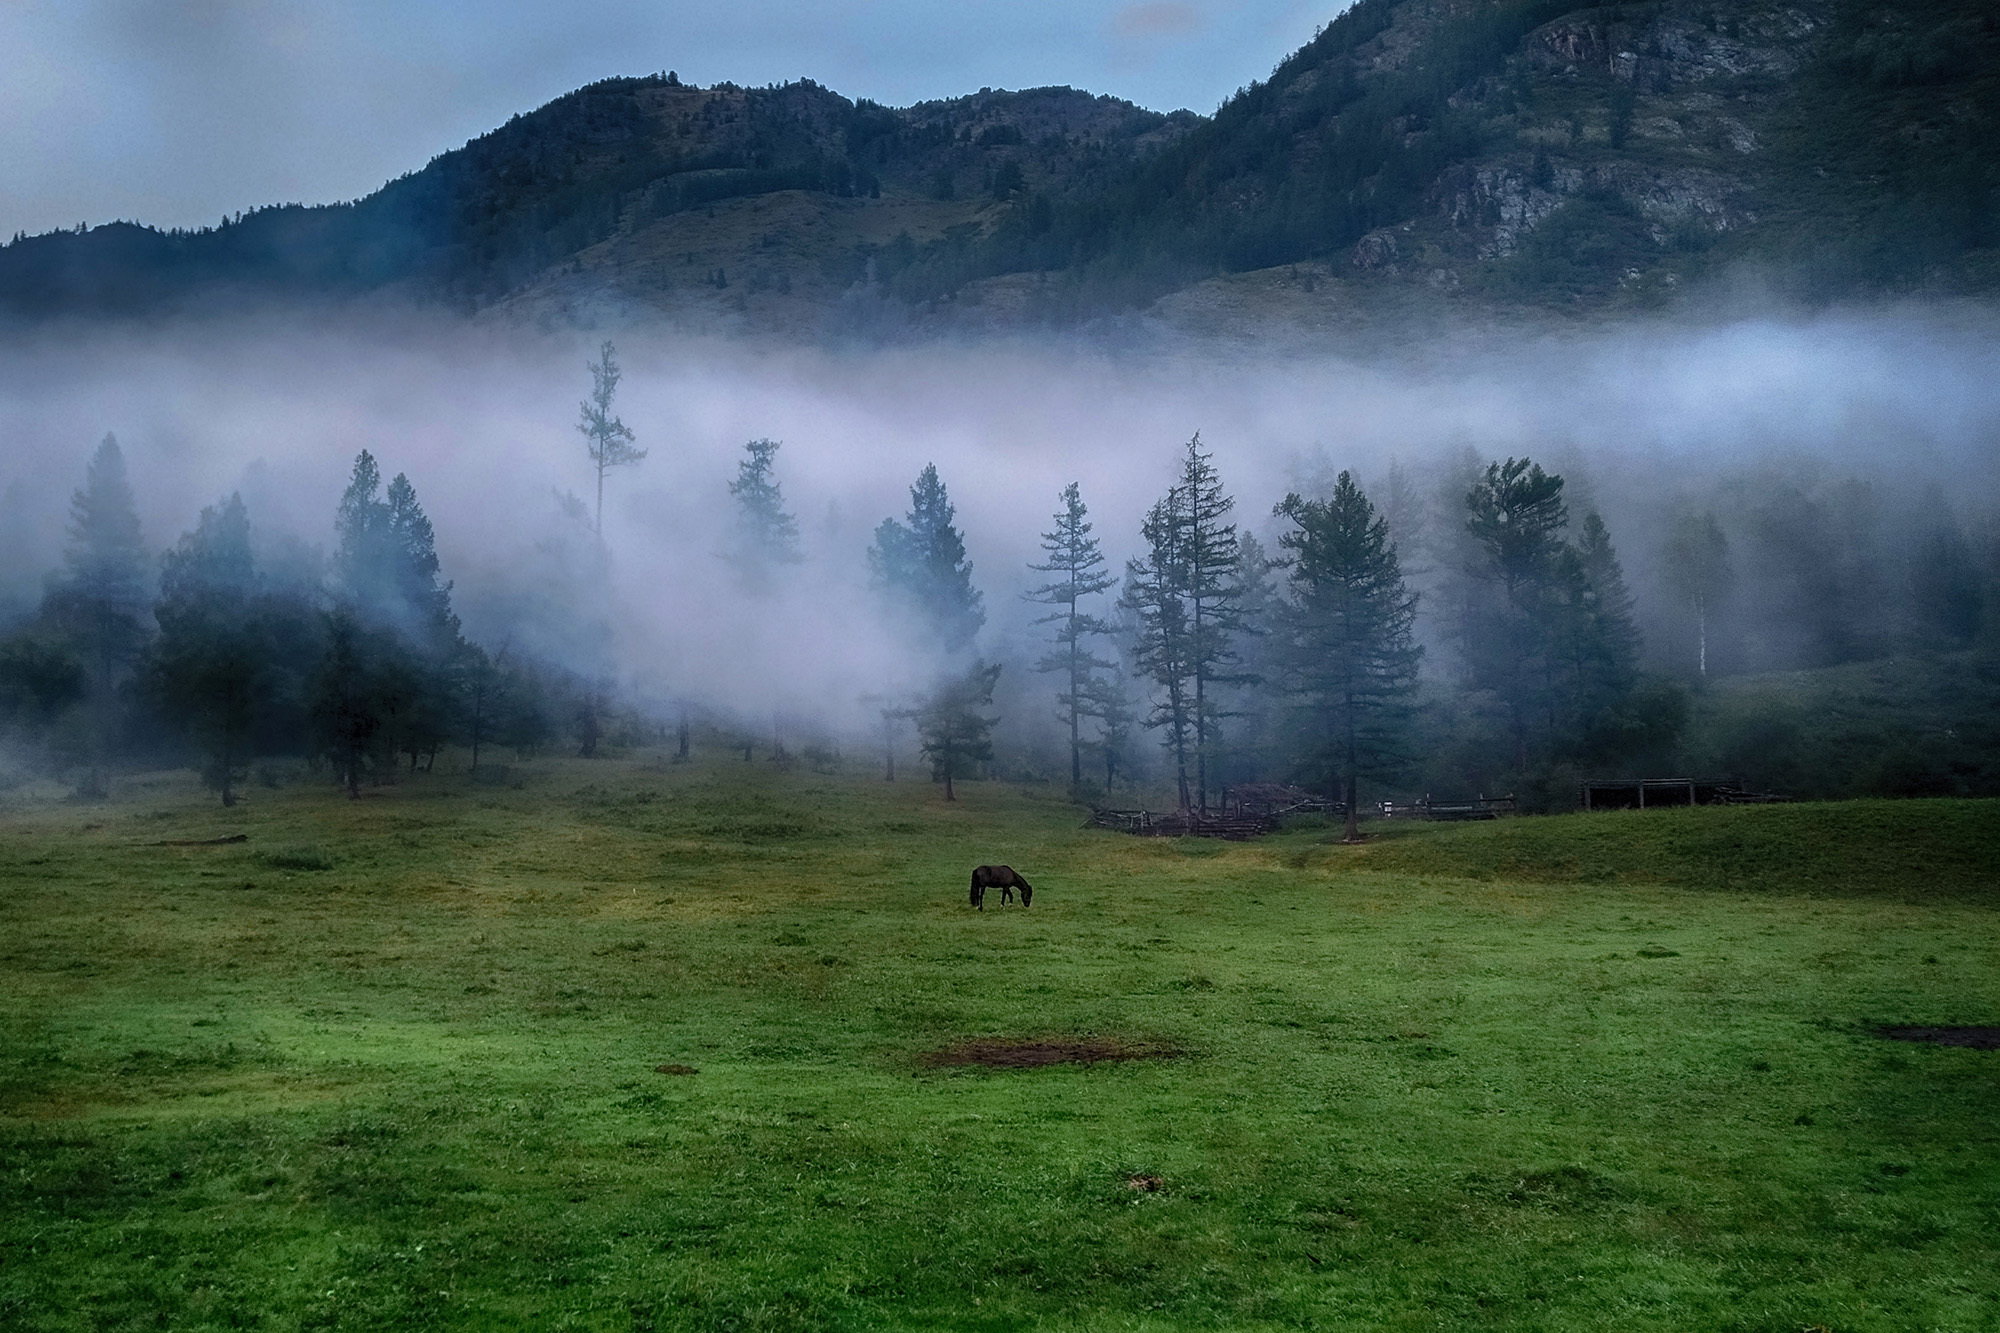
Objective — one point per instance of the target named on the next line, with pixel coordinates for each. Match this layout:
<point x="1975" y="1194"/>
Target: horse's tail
<point x="976" y="895"/>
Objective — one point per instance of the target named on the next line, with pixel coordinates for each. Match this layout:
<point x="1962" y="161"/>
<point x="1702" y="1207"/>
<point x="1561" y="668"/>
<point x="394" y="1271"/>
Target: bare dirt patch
<point x="1978" y="1038"/>
<point x="1034" y="1052"/>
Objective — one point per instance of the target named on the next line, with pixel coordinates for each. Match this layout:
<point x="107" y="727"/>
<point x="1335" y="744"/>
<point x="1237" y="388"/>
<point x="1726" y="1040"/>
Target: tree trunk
<point x="1701" y="635"/>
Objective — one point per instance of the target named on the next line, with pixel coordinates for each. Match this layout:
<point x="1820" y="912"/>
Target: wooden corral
<point x="1655" y="793"/>
<point x="1276" y="800"/>
<point x="1178" y="824"/>
<point x="1430" y="807"/>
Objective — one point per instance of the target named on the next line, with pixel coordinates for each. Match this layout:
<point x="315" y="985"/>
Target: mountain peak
<point x="1505" y="152"/>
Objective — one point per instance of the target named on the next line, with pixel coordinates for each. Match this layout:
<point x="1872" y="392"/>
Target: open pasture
<point x="397" y="1063"/>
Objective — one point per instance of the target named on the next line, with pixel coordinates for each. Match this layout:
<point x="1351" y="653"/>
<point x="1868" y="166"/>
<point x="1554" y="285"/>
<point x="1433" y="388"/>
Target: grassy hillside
<point x="1903" y="851"/>
<point x="1914" y="725"/>
<point x="395" y="1062"/>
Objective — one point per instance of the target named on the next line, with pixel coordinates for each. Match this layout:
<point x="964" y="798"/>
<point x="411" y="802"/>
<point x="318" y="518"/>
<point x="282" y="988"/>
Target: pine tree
<point x="765" y="535"/>
<point x="434" y="664"/>
<point x="1189" y="599"/>
<point x="952" y="729"/>
<point x="1345" y="635"/>
<point x="362" y="554"/>
<point x="1074" y="557"/>
<point x="608" y="440"/>
<point x="406" y="639"/>
<point x="100" y="603"/>
<point x="1516" y="518"/>
<point x="345" y="711"/>
<point x="1214" y="593"/>
<point x="1163" y="648"/>
<point x="921" y="564"/>
<point x="212" y="660"/>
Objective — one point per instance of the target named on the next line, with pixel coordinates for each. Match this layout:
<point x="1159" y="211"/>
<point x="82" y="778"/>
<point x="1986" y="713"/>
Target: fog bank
<point x="483" y="422"/>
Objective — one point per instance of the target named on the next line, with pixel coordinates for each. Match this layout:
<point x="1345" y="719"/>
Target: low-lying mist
<point x="1642" y="419"/>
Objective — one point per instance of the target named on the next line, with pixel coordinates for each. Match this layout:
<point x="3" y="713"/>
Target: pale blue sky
<point x="178" y="111"/>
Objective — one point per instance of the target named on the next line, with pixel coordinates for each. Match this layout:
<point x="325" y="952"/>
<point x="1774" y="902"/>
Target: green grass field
<point x="392" y="1063"/>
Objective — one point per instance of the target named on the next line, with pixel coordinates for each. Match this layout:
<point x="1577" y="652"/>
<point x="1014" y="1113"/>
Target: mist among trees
<point x="1453" y="625"/>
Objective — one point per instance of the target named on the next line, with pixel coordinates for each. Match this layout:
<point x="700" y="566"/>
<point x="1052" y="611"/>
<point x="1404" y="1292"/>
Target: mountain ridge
<point x="1490" y="153"/>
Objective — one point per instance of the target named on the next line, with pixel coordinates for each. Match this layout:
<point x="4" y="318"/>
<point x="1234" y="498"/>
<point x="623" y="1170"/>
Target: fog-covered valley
<point x="1839" y="454"/>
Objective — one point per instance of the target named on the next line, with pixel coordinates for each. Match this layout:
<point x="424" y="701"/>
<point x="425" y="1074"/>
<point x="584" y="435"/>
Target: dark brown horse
<point x="1003" y="878"/>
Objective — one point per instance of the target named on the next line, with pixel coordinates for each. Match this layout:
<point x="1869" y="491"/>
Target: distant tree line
<point x="1471" y="629"/>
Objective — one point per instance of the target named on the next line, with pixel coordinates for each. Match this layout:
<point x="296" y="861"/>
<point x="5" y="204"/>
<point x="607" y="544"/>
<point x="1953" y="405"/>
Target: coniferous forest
<point x="1452" y="626"/>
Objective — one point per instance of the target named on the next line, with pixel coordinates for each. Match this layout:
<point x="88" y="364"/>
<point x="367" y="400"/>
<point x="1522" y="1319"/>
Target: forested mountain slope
<point x="1538" y="152"/>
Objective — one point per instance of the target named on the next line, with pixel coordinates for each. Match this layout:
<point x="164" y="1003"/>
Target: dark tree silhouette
<point x="921" y="565"/>
<point x="1346" y="645"/>
<point x="1078" y="565"/>
<point x="1163" y="647"/>
<point x="608" y="440"/>
<point x="765" y="536"/>
<point x="212" y="661"/>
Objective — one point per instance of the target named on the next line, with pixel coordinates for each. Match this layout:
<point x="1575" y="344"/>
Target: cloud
<point x="1162" y="18"/>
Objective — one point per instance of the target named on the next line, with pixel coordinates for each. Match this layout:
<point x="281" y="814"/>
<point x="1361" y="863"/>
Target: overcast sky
<point x="176" y="112"/>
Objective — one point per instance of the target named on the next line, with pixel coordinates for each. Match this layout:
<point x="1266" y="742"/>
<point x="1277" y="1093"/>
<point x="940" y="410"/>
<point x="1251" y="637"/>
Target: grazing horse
<point x="1003" y="878"/>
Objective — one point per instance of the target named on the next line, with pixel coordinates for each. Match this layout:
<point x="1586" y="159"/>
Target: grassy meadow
<point x="395" y="1063"/>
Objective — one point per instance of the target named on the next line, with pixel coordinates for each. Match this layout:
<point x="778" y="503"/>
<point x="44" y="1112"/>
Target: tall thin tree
<point x="1346" y="643"/>
<point x="1076" y="561"/>
<point x="1697" y="560"/>
<point x="765" y="535"/>
<point x="608" y="439"/>
<point x="1516" y="518"/>
<point x="1214" y="593"/>
<point x="1163" y="646"/>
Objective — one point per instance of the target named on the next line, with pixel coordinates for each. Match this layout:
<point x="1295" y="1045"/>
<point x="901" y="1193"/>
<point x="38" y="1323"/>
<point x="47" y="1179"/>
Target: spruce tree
<point x="212" y="660"/>
<point x="1074" y="558"/>
<point x="1345" y="639"/>
<point x="607" y="439"/>
<point x="921" y="565"/>
<point x="765" y="535"/>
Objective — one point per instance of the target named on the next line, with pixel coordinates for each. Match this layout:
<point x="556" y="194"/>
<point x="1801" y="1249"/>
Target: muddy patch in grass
<point x="1978" y="1038"/>
<point x="1035" y="1052"/>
